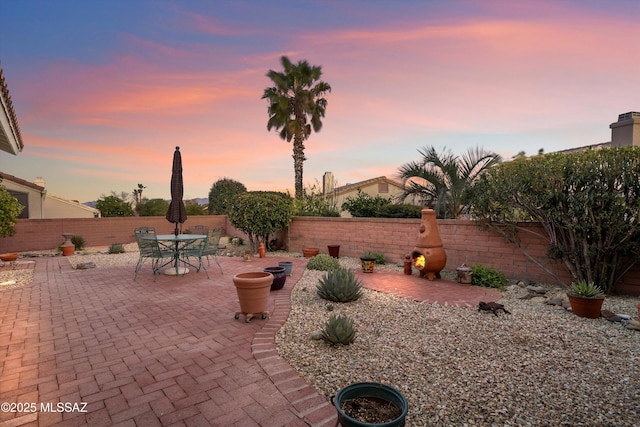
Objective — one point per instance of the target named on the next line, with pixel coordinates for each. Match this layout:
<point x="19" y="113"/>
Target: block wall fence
<point x="463" y="241"/>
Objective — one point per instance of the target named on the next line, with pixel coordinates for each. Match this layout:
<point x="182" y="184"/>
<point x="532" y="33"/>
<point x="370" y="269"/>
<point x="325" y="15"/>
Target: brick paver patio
<point x="165" y="353"/>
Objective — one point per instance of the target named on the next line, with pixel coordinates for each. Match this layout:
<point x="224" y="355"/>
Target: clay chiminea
<point x="428" y="255"/>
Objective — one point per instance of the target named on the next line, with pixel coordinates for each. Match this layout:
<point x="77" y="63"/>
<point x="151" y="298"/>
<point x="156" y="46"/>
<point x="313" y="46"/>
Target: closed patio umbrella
<point x="177" y="214"/>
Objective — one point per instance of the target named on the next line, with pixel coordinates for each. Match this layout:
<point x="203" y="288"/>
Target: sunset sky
<point x="105" y="90"/>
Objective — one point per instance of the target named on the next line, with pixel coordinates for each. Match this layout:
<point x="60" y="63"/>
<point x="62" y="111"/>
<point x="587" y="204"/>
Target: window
<point x="23" y="199"/>
<point x="383" y="187"/>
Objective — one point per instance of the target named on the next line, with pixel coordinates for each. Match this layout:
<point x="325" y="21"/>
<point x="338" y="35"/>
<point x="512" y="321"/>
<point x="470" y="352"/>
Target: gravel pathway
<point x="539" y="366"/>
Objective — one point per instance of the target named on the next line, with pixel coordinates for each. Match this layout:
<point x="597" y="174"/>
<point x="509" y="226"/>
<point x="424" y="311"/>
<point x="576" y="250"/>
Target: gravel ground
<point x="539" y="366"/>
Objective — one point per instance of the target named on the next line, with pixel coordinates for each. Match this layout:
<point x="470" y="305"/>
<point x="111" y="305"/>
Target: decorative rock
<point x="317" y="335"/>
<point x="539" y="300"/>
<point x="85" y="265"/>
<point x="555" y="301"/>
<point x="536" y="289"/>
<point x="633" y="325"/>
<point x="610" y="316"/>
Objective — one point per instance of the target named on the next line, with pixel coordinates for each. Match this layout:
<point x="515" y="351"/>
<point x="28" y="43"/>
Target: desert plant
<point x="487" y="277"/>
<point x="374" y="255"/>
<point x="339" y="330"/>
<point x="339" y="285"/>
<point x="323" y="262"/>
<point x="585" y="289"/>
<point x="116" y="248"/>
<point x="78" y="242"/>
<point x="315" y="203"/>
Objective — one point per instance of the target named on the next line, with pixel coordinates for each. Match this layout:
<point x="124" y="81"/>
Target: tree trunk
<point x="298" y="159"/>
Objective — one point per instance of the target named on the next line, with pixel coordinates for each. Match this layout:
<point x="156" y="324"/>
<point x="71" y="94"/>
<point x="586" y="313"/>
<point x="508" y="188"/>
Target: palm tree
<point x="296" y="106"/>
<point x="445" y="181"/>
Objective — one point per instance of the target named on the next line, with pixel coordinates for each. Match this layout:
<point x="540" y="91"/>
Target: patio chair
<point x="213" y="245"/>
<point x="149" y="248"/>
<point x="195" y="249"/>
<point x="198" y="229"/>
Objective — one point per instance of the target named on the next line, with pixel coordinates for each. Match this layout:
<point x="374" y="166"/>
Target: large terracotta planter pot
<point x="310" y="252"/>
<point x="279" y="277"/>
<point x="375" y="392"/>
<point x="253" y="292"/>
<point x="586" y="307"/>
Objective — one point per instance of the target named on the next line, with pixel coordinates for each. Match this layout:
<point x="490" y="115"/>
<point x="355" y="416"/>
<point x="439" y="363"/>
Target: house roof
<point x="21" y="181"/>
<point x="350" y="187"/>
<point x="10" y="137"/>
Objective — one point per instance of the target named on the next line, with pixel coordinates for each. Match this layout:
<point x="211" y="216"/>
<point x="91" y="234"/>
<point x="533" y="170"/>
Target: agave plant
<point x="339" y="330"/>
<point x="340" y="286"/>
<point x="585" y="289"/>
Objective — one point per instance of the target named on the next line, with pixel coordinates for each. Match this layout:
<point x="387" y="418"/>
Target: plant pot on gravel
<point x="586" y="299"/>
<point x="310" y="252"/>
<point x="370" y="404"/>
<point x="288" y="267"/>
<point x="367" y="264"/>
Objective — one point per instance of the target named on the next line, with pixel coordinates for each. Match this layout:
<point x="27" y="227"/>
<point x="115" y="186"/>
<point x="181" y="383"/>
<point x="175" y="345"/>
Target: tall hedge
<point x="587" y="202"/>
<point x="260" y="214"/>
<point x="222" y="193"/>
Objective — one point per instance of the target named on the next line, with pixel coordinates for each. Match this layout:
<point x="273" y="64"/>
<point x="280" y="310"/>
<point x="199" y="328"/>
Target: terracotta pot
<point x="288" y="267"/>
<point x="253" y="292"/>
<point x="279" y="277"/>
<point x="586" y="307"/>
<point x="367" y="264"/>
<point x="310" y="252"/>
<point x="334" y="250"/>
<point x="8" y="257"/>
<point x="68" y="250"/>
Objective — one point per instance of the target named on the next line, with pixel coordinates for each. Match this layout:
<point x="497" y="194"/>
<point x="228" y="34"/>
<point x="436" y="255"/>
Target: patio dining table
<point x="177" y="244"/>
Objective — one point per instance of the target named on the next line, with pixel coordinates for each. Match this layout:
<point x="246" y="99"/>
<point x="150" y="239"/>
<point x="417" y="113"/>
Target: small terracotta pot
<point x="8" y="257"/>
<point x="586" y="307"/>
<point x="310" y="252"/>
<point x="68" y="250"/>
<point x="334" y="250"/>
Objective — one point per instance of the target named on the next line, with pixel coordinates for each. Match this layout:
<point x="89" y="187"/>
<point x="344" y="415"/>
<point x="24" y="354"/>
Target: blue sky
<point x="104" y="90"/>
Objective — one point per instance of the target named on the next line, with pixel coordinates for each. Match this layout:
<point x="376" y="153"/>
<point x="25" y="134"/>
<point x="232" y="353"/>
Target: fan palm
<point x="444" y="181"/>
<point x="296" y="107"/>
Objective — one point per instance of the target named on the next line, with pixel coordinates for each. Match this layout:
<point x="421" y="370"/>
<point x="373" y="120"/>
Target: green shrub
<point x="487" y="277"/>
<point x="323" y="262"/>
<point x="364" y="205"/>
<point x="260" y="214"/>
<point x="587" y="203"/>
<point x="314" y="203"/>
<point x="221" y="195"/>
<point x="375" y="255"/>
<point x="10" y="210"/>
<point x="339" y="330"/>
<point x="78" y="242"/>
<point x="339" y="286"/>
<point x="400" y="211"/>
<point x="116" y="248"/>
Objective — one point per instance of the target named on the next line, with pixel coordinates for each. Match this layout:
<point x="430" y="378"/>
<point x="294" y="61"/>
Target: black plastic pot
<point x="374" y="391"/>
<point x="279" y="277"/>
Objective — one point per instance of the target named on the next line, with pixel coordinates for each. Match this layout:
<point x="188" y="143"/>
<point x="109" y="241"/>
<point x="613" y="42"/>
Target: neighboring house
<point x="10" y="138"/>
<point x="626" y="131"/>
<point x="40" y="205"/>
<point x="380" y="186"/>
